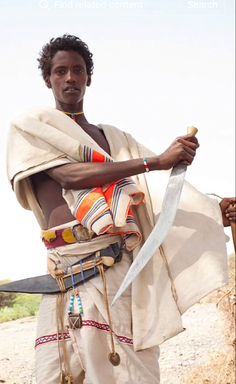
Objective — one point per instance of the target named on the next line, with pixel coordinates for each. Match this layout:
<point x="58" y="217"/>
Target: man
<point x="75" y="176"/>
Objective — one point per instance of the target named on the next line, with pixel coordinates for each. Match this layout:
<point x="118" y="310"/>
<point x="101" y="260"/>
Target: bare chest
<point x="98" y="136"/>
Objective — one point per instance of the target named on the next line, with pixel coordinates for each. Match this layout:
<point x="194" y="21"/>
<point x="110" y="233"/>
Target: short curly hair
<point x="63" y="43"/>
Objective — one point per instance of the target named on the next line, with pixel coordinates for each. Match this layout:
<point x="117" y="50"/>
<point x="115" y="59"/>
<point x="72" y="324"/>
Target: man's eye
<point x="60" y="72"/>
<point x="80" y="71"/>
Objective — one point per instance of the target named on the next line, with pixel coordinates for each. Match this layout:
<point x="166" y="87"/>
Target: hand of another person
<point x="228" y="209"/>
<point x="182" y="150"/>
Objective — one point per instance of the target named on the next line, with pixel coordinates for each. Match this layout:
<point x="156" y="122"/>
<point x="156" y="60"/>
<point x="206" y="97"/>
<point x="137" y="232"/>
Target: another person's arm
<point x="228" y="209"/>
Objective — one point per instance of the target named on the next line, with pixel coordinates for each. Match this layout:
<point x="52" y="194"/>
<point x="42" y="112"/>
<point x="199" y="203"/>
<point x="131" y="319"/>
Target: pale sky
<point x="160" y="66"/>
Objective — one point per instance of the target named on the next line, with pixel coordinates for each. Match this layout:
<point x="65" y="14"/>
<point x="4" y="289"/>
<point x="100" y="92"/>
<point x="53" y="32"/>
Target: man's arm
<point x="89" y="175"/>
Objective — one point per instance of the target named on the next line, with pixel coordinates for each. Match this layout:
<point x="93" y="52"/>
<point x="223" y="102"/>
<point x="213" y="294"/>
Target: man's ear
<point x="89" y="81"/>
<point x="48" y="82"/>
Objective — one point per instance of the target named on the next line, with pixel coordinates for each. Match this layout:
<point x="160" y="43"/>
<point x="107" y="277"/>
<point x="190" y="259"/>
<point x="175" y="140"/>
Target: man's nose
<point x="70" y="78"/>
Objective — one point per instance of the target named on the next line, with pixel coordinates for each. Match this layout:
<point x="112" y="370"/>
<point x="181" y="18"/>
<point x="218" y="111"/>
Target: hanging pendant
<point x="75" y="320"/>
<point x="69" y="379"/>
<point x="66" y="379"/>
<point x="114" y="358"/>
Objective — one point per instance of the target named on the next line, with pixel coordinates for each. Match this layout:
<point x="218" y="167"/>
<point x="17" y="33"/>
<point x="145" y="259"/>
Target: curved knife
<point x="167" y="216"/>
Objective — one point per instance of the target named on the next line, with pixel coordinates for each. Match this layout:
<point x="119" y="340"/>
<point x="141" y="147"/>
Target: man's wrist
<point x="153" y="163"/>
<point x="146" y="164"/>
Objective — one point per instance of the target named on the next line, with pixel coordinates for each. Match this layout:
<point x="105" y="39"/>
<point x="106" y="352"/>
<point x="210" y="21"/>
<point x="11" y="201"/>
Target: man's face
<point x="68" y="78"/>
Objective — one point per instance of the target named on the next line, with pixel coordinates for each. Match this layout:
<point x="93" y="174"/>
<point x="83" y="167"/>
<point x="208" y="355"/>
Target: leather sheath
<point x="46" y="284"/>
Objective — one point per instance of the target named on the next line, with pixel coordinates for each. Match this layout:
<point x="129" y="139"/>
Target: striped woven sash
<point x="108" y="209"/>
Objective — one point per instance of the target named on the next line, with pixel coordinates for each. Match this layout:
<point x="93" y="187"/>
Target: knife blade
<point x="163" y="225"/>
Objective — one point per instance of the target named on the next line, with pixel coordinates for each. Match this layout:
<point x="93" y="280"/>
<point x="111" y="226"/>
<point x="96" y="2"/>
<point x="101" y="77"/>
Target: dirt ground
<point x="203" y="340"/>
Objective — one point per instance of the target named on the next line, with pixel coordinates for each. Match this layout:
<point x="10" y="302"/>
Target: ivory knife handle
<point x="192" y="131"/>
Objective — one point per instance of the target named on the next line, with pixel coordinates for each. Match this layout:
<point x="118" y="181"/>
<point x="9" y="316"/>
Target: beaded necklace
<point x="73" y="114"/>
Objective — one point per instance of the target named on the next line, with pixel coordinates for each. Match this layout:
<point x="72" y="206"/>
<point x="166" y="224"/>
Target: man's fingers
<point x="230" y="211"/>
<point x="189" y="151"/>
<point x="187" y="158"/>
<point x="189" y="138"/>
<point x="193" y="143"/>
<point x="185" y="162"/>
<point x="231" y="216"/>
<point x="231" y="207"/>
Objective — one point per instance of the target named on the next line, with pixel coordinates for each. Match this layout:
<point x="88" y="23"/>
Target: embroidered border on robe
<point x="86" y="323"/>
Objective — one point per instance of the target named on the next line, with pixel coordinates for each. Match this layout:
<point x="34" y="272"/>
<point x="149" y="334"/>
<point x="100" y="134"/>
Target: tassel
<point x="113" y="357"/>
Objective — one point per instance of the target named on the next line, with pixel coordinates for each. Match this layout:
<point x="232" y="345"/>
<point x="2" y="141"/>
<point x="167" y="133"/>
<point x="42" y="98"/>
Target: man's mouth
<point x="71" y="89"/>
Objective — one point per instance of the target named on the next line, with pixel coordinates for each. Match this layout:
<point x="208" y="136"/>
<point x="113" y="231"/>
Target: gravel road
<point x="202" y="340"/>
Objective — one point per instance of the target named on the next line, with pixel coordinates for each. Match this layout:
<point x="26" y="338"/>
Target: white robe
<point x="192" y="260"/>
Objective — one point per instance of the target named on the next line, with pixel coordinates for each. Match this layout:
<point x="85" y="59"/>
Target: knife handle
<point x="192" y="131"/>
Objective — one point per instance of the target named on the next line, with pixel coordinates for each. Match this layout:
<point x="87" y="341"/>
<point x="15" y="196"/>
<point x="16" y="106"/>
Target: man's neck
<point x="69" y="108"/>
<point x="75" y="111"/>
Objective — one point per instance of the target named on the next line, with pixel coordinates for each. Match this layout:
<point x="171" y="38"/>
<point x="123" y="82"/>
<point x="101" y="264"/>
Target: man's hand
<point x="182" y="150"/>
<point x="228" y="209"/>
